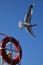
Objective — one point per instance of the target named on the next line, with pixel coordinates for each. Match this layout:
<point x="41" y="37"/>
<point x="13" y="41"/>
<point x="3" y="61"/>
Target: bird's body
<point x="27" y="20"/>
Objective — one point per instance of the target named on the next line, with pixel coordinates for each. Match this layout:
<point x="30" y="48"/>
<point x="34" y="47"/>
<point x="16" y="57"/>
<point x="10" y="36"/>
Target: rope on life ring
<point x="18" y="57"/>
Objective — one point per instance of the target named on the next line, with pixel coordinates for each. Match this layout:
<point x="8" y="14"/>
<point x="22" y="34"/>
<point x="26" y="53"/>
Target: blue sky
<point x="13" y="11"/>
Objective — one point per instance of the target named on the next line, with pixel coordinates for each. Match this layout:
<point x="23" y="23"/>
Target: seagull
<point x="27" y="20"/>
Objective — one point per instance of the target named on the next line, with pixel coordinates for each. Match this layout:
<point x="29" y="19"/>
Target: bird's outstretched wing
<point x="30" y="30"/>
<point x="28" y="15"/>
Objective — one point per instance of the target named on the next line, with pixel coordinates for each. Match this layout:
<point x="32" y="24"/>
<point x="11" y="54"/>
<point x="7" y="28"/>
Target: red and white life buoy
<point x="18" y="57"/>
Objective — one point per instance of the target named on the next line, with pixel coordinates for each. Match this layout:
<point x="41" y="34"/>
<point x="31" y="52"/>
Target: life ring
<point x="18" y="57"/>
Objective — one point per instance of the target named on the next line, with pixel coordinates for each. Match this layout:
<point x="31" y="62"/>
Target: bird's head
<point x="21" y="25"/>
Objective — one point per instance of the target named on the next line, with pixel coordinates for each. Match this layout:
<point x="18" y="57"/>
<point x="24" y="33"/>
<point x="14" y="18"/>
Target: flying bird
<point x="27" y="20"/>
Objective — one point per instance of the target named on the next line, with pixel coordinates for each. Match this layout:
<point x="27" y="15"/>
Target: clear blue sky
<point x="13" y="11"/>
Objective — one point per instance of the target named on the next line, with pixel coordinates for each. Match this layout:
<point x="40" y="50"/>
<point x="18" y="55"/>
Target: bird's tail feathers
<point x="34" y="25"/>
